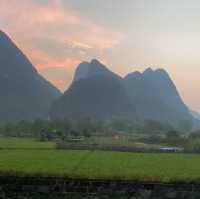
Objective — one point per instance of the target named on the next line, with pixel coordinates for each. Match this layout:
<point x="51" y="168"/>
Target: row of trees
<point x="47" y="130"/>
<point x="25" y="128"/>
<point x="152" y="132"/>
<point x="190" y="142"/>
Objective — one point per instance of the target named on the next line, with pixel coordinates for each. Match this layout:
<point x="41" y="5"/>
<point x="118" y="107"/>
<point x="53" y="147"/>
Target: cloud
<point x="59" y="72"/>
<point x="29" y="20"/>
<point x="59" y="76"/>
<point x="70" y="37"/>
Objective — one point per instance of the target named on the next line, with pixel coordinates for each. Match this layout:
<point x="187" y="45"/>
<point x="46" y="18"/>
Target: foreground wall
<point x="57" y="188"/>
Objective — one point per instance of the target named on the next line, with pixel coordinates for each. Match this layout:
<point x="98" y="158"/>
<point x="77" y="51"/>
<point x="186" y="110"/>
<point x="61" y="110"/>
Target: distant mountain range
<point x="95" y="92"/>
<point x="25" y="95"/>
<point x="98" y="92"/>
<point x="155" y="96"/>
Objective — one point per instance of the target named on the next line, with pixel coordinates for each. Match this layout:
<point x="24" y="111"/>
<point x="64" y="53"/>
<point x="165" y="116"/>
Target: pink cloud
<point x="59" y="76"/>
<point x="25" y="21"/>
<point x="28" y="19"/>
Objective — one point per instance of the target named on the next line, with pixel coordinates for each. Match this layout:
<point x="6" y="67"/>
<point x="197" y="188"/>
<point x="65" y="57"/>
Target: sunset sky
<point x="126" y="35"/>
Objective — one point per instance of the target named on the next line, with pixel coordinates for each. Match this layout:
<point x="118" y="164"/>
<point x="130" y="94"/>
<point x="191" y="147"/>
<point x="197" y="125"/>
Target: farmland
<point x="101" y="165"/>
<point x="29" y="157"/>
<point x="31" y="165"/>
<point x="24" y="143"/>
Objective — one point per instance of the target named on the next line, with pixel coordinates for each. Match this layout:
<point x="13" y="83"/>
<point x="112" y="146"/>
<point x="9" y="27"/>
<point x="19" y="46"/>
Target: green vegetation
<point x="29" y="148"/>
<point x="47" y="129"/>
<point x="116" y="133"/>
<point x="24" y="143"/>
<point x="101" y="165"/>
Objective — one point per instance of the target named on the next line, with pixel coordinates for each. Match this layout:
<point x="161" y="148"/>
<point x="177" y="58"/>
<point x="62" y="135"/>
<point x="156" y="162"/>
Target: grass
<point x="101" y="165"/>
<point x="26" y="157"/>
<point x="24" y="143"/>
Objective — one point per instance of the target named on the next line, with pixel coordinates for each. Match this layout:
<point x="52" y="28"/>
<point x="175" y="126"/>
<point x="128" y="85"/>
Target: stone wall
<point x="59" y="188"/>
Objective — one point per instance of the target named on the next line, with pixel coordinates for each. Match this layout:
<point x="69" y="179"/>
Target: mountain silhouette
<point x="96" y="92"/>
<point x="25" y="95"/>
<point x="99" y="93"/>
<point x="86" y="69"/>
<point x="156" y="97"/>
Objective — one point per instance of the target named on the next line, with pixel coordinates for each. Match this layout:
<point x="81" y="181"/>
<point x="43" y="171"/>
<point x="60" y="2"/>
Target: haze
<point x="131" y="35"/>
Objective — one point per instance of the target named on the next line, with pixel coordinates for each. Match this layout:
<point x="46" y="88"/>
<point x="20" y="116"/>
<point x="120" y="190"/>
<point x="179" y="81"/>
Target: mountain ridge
<point x="156" y="96"/>
<point x="94" y="67"/>
<point x="97" y="93"/>
<point x="151" y="93"/>
<point x="25" y="94"/>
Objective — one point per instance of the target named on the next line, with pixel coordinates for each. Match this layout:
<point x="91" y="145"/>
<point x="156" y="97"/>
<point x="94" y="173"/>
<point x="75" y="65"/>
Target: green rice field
<point x="29" y="157"/>
<point x="101" y="165"/>
<point x="24" y="143"/>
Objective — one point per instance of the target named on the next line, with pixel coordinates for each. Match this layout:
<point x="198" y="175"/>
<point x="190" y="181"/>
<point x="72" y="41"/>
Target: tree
<point x="151" y="126"/>
<point x="185" y="125"/>
<point x="37" y="127"/>
<point x="86" y="133"/>
<point x="74" y="133"/>
<point x="194" y="135"/>
<point x="172" y="134"/>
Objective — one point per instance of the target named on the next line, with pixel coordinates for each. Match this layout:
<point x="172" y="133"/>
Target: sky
<point x="126" y="35"/>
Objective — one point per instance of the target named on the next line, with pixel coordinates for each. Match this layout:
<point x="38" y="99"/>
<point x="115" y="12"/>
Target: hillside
<point x="25" y="95"/>
<point x="95" y="92"/>
<point x="156" y="96"/>
<point x="99" y="93"/>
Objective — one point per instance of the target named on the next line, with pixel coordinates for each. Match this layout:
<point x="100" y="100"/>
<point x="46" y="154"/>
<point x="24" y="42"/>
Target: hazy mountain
<point x="195" y="114"/>
<point x="98" y="92"/>
<point x="156" y="97"/>
<point x="86" y="69"/>
<point x="95" y="92"/>
<point x="24" y="93"/>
